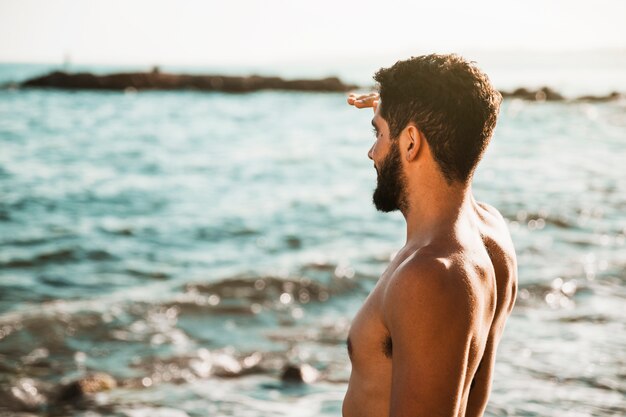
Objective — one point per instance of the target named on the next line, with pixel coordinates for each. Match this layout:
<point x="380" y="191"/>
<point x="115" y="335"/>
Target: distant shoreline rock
<point x="157" y="80"/>
<point x="542" y="94"/>
<point x="548" y="94"/>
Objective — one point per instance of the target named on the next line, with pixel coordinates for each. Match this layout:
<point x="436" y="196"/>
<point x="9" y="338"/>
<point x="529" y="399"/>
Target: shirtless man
<point x="424" y="342"/>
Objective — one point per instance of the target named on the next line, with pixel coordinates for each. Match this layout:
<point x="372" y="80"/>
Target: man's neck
<point x="436" y="210"/>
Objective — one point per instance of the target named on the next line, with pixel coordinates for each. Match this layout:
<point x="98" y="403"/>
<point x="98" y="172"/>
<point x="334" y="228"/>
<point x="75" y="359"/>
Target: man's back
<point x="435" y="316"/>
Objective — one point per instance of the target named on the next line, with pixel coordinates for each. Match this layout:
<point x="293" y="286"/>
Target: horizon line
<point x="324" y="59"/>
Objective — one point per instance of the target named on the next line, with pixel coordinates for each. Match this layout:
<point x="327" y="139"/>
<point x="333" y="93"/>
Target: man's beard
<point x="390" y="192"/>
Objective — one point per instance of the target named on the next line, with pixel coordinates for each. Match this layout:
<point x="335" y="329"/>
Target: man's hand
<point x="364" y="100"/>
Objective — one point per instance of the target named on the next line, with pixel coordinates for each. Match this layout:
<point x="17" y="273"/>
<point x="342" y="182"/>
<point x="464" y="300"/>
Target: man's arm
<point x="429" y="312"/>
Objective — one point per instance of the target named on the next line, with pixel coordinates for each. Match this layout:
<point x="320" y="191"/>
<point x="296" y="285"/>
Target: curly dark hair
<point x="450" y="100"/>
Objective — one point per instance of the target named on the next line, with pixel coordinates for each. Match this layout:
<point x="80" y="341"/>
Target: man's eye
<point x="375" y="132"/>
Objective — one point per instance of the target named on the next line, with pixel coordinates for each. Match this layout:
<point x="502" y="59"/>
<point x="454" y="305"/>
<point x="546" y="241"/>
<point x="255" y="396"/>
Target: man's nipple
<point x="387" y="346"/>
<point x="349" y="343"/>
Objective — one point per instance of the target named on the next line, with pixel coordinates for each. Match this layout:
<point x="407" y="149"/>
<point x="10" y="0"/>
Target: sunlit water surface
<point x="191" y="245"/>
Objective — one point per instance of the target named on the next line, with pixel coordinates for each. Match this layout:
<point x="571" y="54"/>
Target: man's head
<point x="450" y="102"/>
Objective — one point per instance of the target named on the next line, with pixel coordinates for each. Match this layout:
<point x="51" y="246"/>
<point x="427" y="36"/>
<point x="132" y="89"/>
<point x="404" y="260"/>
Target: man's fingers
<point x="365" y="102"/>
<point x="362" y="100"/>
<point x="361" y="104"/>
<point x="362" y="95"/>
<point x="356" y="97"/>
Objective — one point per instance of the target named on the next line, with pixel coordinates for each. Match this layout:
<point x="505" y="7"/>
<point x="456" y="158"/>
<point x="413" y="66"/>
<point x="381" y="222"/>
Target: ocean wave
<point x="58" y="255"/>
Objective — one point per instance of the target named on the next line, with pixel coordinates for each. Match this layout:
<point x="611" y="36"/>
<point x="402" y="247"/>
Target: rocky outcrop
<point x="35" y="395"/>
<point x="156" y="80"/>
<point x="543" y="94"/>
<point x="90" y="384"/>
<point x="599" y="99"/>
<point x="548" y="94"/>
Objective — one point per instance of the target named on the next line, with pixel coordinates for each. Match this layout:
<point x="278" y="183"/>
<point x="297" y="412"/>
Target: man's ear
<point x="413" y="142"/>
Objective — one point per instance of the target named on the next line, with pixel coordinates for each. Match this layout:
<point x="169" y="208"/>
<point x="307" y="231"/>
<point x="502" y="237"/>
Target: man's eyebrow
<point x="374" y="124"/>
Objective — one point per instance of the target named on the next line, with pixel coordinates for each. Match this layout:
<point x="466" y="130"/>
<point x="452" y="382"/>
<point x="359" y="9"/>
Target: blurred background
<point x="190" y="253"/>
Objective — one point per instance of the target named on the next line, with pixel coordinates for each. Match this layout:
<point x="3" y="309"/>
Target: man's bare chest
<point x="369" y="342"/>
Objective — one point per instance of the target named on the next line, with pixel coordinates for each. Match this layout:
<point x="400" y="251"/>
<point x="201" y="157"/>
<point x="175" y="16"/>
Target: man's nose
<point x="370" y="153"/>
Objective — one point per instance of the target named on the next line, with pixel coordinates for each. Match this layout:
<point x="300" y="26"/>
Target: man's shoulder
<point x="427" y="281"/>
<point x="497" y="232"/>
<point x="428" y="266"/>
<point x="492" y="212"/>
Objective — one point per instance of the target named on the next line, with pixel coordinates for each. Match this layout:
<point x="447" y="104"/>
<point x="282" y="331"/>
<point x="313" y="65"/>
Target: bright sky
<point x="257" y="32"/>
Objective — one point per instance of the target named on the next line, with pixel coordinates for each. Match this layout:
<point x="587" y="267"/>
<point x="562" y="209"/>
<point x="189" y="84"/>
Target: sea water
<point x="192" y="245"/>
